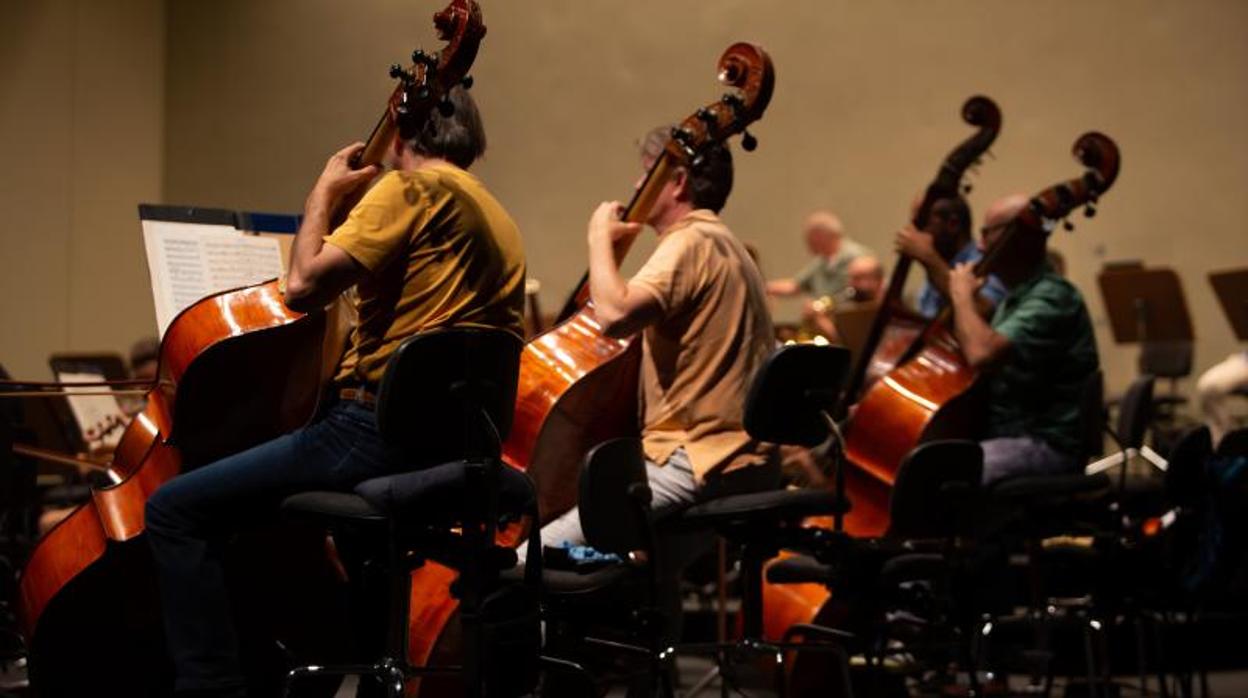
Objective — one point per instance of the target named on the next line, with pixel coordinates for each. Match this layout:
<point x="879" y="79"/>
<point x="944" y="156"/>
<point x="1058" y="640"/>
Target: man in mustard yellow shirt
<point x="426" y="247"/>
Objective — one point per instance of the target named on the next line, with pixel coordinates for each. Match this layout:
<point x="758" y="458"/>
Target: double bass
<point x="926" y="396"/>
<point x="577" y="386"/>
<point x="921" y="398"/>
<point x="893" y="329"/>
<point x="236" y="368"/>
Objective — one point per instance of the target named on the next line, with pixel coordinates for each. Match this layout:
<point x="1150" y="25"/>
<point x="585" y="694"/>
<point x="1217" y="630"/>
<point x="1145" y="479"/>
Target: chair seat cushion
<point x="772" y="506"/>
<point x="437" y="494"/>
<point x="333" y="505"/>
<point x="1051" y="486"/>
<point x="432" y="496"/>
<point x="799" y="569"/>
<point x="571" y="582"/>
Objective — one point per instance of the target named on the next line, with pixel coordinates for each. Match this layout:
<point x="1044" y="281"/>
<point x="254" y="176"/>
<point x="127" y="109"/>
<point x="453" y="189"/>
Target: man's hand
<point x="915" y="244"/>
<point x="963" y="284"/>
<point x="605" y="225"/>
<point x="338" y="179"/>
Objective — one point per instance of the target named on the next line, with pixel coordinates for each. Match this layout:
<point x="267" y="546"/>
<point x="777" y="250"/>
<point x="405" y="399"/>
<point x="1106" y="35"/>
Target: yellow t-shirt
<point x="699" y="359"/>
<point x="440" y="251"/>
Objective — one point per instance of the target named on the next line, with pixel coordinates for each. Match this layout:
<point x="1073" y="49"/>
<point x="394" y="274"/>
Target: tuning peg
<point x="1089" y="211"/>
<point x="1070" y="227"/>
<point x="397" y="72"/>
<point x="445" y="108"/>
<point x="419" y="56"/>
<point x="748" y="141"/>
<point x="466" y="82"/>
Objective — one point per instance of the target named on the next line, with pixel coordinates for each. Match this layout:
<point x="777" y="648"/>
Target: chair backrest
<point x="614" y="497"/>
<point x="791" y="390"/>
<point x="1092" y="417"/>
<point x="936" y="491"/>
<point x="1166" y="359"/>
<point x="1234" y="443"/>
<point x="1186" y="468"/>
<point x="446" y="391"/>
<point x="1135" y="412"/>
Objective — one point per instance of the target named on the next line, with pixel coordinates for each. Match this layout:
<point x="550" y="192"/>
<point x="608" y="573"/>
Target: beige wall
<point x="258" y="94"/>
<point x="81" y="118"/>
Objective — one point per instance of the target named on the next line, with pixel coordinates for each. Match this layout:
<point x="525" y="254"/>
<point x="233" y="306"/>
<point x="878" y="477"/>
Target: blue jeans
<point x="1015" y="456"/>
<point x="191" y="519"/>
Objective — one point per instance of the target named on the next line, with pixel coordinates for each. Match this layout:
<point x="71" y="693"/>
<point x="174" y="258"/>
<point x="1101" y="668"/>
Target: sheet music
<point x="188" y="261"/>
<point x="99" y="417"/>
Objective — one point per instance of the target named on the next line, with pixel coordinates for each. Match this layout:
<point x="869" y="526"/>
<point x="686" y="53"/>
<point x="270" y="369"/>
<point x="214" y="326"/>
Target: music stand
<point x="1145" y="305"/>
<point x="1231" y="288"/>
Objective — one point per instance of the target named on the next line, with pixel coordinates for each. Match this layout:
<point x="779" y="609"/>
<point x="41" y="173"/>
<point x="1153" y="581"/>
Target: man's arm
<point x="783" y="288"/>
<point x="319" y="272"/>
<point x="919" y="246"/>
<point x="622" y="308"/>
<point x="981" y="345"/>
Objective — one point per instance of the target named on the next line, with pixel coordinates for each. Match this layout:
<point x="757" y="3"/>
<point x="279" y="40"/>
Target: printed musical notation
<point x="188" y="261"/>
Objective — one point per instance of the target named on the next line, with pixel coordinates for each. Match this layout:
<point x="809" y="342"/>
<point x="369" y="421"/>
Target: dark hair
<point x="710" y="176"/>
<point x="458" y="138"/>
<point x="958" y="208"/>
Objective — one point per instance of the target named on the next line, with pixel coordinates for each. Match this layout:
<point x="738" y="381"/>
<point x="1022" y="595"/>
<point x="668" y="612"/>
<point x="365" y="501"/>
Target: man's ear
<point x="680" y="180"/>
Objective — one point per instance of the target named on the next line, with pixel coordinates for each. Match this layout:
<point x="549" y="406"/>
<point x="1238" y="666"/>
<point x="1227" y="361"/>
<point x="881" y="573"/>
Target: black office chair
<point x="446" y="402"/>
<point x="934" y="513"/>
<point x="789" y="402"/>
<point x="608" y="609"/>
<point x="1135" y="413"/>
<point x="784" y="405"/>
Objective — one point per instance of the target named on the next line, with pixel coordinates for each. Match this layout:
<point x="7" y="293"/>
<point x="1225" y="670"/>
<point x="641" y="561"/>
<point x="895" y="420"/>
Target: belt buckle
<point x="360" y="396"/>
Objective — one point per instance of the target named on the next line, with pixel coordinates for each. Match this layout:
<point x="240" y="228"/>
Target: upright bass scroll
<point x="877" y="355"/>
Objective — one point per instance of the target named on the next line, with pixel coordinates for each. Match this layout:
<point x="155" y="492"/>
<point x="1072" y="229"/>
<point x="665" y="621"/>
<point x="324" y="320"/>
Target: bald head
<point x="866" y="277"/>
<point x="824" y="231"/>
<point x="1022" y="252"/>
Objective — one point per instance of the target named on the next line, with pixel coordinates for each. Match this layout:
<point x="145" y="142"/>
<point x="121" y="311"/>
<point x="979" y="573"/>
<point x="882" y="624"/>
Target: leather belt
<point x="361" y="396"/>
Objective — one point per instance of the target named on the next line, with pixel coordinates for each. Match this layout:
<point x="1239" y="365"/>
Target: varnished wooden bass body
<point x="235" y="370"/>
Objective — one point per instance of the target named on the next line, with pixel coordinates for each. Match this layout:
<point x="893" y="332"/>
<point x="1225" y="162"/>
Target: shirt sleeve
<point x="993" y="291"/>
<point x="379" y="228"/>
<point x="1041" y="324"/>
<point x="806" y="276"/>
<point x="668" y="272"/>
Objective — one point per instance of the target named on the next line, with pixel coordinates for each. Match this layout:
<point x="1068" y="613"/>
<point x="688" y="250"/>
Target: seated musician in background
<point x="700" y="305"/>
<point x="413" y="246"/>
<point x="946" y="241"/>
<point x="866" y="285"/>
<point x="1215" y="388"/>
<point x="828" y="273"/>
<point x="1038" y="352"/>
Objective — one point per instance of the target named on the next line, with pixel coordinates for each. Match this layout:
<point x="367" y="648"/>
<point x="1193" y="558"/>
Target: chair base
<point x="392" y="673"/>
<point x="728" y="654"/>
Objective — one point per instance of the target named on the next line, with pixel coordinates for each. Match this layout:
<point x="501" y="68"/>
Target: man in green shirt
<point x="1038" y="353"/>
